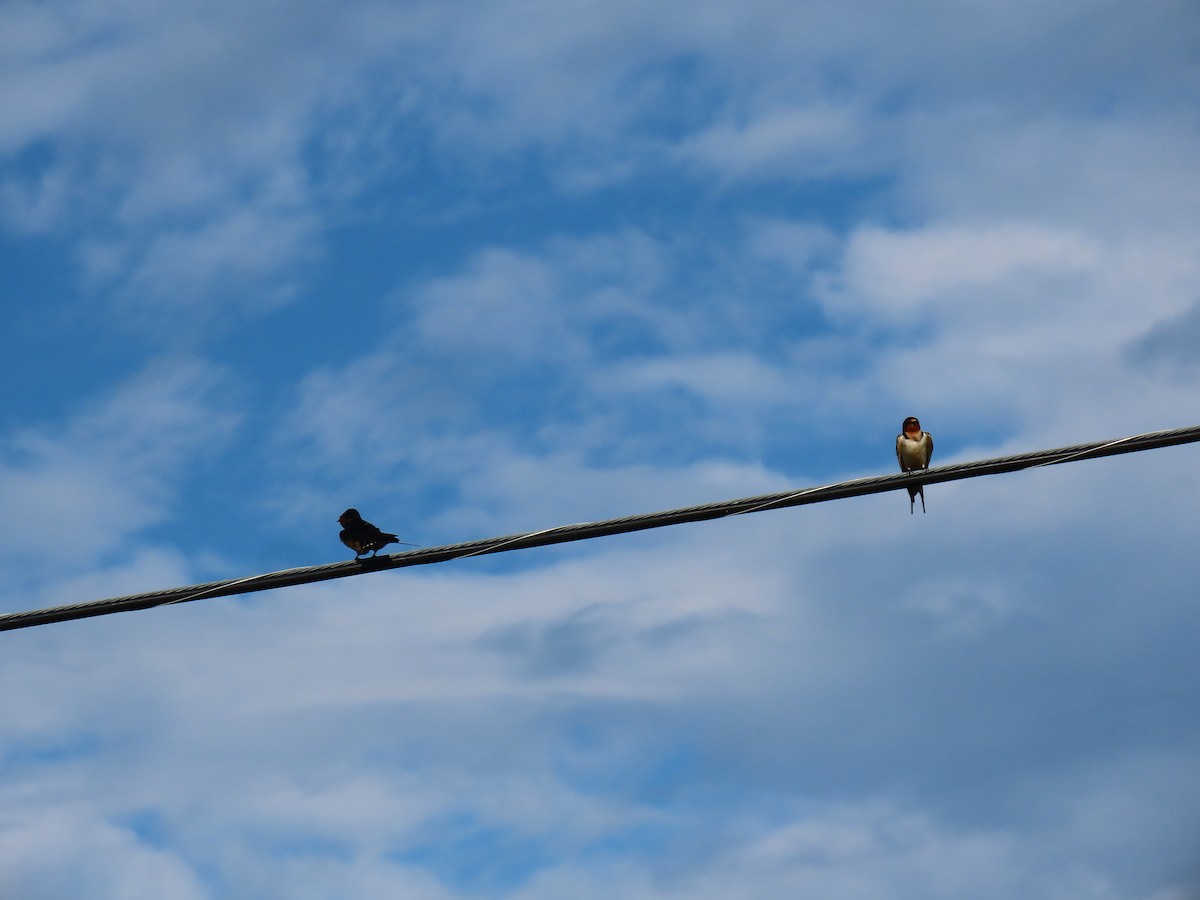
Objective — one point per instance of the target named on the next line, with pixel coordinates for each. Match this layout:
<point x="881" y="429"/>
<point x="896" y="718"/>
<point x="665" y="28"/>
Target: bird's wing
<point x="899" y="457"/>
<point x="928" y="449"/>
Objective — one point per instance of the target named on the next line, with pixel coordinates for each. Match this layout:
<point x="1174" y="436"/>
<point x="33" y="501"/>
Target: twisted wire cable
<point x="588" y="530"/>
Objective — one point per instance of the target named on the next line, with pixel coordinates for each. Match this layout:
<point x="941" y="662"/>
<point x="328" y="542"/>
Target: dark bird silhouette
<point x="361" y="536"/>
<point x="914" y="450"/>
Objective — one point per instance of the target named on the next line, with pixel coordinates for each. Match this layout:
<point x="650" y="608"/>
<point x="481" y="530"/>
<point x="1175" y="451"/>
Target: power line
<point x="587" y="530"/>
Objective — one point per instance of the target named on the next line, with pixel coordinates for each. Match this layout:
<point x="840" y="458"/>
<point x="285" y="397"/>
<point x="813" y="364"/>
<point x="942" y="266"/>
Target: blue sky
<point x="485" y="268"/>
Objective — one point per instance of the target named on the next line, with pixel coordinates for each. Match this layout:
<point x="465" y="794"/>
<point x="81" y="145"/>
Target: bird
<point x="361" y="536"/>
<point x="914" y="450"/>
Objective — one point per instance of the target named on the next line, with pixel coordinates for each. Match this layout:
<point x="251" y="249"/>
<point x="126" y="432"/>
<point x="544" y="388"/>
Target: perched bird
<point x="361" y="536"/>
<point x="914" y="449"/>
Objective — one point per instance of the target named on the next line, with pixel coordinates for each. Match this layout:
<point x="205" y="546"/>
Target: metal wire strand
<point x="587" y="530"/>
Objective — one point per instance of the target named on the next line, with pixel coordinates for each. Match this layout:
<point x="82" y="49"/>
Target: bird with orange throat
<point x="914" y="450"/>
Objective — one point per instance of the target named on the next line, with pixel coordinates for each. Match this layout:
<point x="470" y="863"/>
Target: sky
<point x="482" y="268"/>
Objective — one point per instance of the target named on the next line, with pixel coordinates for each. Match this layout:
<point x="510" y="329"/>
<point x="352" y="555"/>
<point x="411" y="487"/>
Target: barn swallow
<point x="914" y="449"/>
<point x="361" y="536"/>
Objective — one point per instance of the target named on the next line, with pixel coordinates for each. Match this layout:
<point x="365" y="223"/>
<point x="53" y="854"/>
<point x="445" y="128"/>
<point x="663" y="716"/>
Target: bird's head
<point x="911" y="426"/>
<point x="350" y="515"/>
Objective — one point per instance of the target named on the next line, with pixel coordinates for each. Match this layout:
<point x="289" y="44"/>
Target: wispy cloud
<point x="109" y="472"/>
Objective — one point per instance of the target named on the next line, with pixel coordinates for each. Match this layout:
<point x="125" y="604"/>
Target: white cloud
<point x="506" y="307"/>
<point x="722" y="379"/>
<point x="800" y="143"/>
<point x="104" y="860"/>
<point x="901" y="273"/>
<point x="109" y="472"/>
<point x="803" y="246"/>
<point x="1110" y="175"/>
<point x="541" y="307"/>
<point x="188" y="267"/>
<point x="976" y="321"/>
